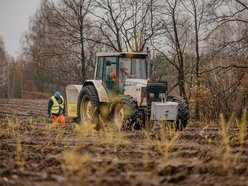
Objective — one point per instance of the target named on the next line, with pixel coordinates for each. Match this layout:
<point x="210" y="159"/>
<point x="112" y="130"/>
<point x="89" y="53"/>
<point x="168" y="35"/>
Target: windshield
<point x="134" y="68"/>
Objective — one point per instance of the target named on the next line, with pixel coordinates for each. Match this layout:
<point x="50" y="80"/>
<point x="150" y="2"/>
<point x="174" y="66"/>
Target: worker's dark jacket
<point x="50" y="104"/>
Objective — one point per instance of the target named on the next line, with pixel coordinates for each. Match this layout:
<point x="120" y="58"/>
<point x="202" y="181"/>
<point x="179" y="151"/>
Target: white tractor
<point x="122" y="92"/>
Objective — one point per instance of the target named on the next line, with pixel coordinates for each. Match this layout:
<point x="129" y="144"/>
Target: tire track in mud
<point x="195" y="157"/>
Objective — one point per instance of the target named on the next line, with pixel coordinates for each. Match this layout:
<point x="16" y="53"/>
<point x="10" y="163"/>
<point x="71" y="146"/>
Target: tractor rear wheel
<point x="88" y="106"/>
<point x="125" y="113"/>
<point x="183" y="111"/>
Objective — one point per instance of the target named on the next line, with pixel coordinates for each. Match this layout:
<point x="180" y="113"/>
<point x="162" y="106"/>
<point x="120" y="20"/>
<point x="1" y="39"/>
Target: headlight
<point x="151" y="95"/>
<point x="161" y="95"/>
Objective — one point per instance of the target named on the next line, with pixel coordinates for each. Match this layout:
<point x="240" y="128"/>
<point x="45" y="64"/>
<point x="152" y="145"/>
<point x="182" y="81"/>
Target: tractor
<point x="121" y="91"/>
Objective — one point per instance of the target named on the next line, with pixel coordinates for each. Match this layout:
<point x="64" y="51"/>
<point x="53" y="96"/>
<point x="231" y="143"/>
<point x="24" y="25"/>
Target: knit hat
<point x="57" y="94"/>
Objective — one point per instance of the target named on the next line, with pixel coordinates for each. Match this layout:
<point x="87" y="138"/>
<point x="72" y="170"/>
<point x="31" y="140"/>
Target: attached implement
<point x="122" y="92"/>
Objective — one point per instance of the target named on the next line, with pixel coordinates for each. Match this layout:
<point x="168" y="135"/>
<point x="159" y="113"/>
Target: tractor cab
<point x="116" y="70"/>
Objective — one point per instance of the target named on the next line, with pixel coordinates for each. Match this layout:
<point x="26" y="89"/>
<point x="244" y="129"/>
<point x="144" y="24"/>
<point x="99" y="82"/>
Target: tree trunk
<point x="181" y="78"/>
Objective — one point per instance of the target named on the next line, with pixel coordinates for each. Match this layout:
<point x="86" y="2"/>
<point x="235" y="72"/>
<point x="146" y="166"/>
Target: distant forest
<point x="199" y="46"/>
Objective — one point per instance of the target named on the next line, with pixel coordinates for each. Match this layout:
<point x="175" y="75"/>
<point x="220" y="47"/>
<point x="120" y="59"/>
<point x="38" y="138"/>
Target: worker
<point x="123" y="75"/>
<point x="56" y="109"/>
<point x="123" y="71"/>
<point x="110" y="81"/>
<point x="112" y="75"/>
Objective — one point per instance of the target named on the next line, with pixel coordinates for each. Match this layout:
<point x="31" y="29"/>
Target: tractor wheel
<point x="183" y="111"/>
<point x="125" y="113"/>
<point x="88" y="106"/>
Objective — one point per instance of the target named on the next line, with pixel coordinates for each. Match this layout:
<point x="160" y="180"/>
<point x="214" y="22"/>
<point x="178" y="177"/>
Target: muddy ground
<point x="34" y="153"/>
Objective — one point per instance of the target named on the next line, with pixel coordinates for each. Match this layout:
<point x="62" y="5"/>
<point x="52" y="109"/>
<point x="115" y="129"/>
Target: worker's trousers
<point x="61" y="118"/>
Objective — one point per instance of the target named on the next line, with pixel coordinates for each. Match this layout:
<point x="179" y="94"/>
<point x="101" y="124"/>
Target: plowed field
<point x="34" y="153"/>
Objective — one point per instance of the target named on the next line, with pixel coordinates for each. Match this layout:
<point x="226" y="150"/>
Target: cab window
<point x="99" y="71"/>
<point x="109" y="74"/>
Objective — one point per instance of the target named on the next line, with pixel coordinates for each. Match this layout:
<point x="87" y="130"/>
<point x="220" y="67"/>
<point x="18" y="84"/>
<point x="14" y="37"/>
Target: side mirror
<point x="109" y="63"/>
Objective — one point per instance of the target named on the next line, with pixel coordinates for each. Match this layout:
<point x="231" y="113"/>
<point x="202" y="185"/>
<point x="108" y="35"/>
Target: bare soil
<point x="34" y="153"/>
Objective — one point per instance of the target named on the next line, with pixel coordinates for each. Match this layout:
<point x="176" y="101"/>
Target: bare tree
<point x="199" y="14"/>
<point x="233" y="13"/>
<point x="191" y="42"/>
<point x="55" y="45"/>
<point x="174" y="35"/>
<point x="124" y="25"/>
<point x="69" y="20"/>
<point x="141" y="25"/>
<point x="227" y="58"/>
<point x="3" y="69"/>
<point x="36" y="49"/>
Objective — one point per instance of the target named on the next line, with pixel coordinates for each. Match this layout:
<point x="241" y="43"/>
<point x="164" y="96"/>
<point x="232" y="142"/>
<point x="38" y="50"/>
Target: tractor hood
<point x="136" y="82"/>
<point x="136" y="89"/>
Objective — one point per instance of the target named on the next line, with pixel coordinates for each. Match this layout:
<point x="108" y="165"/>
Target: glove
<point x="49" y="115"/>
<point x="64" y="113"/>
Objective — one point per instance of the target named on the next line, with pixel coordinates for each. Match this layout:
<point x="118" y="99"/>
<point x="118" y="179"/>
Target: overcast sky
<point x="14" y="18"/>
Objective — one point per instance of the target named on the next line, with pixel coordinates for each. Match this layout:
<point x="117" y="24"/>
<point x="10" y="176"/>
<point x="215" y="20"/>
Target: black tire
<point x="88" y="106"/>
<point x="125" y="113"/>
<point x="183" y="111"/>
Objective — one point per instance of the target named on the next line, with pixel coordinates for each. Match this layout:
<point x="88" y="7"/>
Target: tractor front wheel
<point x="125" y="113"/>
